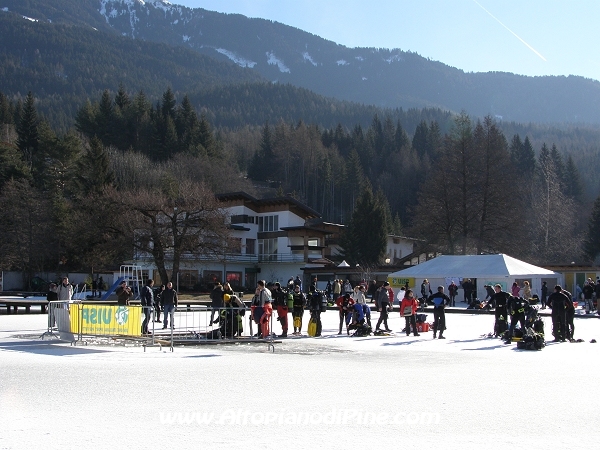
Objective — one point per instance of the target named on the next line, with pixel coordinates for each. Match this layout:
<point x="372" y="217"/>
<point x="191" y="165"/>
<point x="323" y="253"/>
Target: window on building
<point x="235" y="280"/>
<point x="188" y="279"/>
<point x="210" y="277"/>
<point x="268" y="223"/>
<point x="267" y="249"/>
<point x="313" y="242"/>
<point x="250" y="246"/>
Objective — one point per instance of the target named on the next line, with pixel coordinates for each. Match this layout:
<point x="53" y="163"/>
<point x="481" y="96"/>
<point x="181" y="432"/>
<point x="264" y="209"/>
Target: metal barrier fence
<point x="192" y="325"/>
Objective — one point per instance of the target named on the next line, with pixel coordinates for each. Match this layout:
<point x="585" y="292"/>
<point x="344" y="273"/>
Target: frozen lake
<point x="331" y="392"/>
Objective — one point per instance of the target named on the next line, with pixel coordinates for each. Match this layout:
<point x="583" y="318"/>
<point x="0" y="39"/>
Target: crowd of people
<point x="351" y="302"/>
<point x="227" y="309"/>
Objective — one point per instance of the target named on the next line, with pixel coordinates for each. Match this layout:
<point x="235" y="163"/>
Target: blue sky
<point x="529" y="37"/>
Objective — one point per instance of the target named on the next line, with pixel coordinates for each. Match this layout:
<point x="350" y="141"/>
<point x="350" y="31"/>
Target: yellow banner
<point x="106" y="319"/>
<point x="398" y="282"/>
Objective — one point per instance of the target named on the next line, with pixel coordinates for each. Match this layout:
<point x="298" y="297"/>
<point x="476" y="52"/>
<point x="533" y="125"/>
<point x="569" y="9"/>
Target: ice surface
<point x="333" y="392"/>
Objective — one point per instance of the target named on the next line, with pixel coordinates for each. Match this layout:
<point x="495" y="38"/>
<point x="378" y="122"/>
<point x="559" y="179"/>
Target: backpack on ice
<point x="362" y="330"/>
<point x="532" y="341"/>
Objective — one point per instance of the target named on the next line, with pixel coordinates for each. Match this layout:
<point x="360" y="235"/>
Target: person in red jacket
<point x="345" y="304"/>
<point x="408" y="310"/>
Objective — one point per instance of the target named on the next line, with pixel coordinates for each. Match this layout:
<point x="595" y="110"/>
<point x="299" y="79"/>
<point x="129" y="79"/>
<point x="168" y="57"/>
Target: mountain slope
<point x="388" y="78"/>
<point x="64" y="65"/>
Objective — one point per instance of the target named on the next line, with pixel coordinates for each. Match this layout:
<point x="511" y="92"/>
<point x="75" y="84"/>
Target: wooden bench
<point x="13" y="304"/>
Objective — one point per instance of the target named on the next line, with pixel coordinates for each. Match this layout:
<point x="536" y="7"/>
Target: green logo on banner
<point x="122" y="315"/>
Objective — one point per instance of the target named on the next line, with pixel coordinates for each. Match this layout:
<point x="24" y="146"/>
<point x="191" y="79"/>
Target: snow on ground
<point x="334" y="392"/>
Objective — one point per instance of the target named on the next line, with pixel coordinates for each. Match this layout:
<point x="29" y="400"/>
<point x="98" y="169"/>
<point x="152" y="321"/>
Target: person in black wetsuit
<point x="558" y="301"/>
<point x="500" y="302"/>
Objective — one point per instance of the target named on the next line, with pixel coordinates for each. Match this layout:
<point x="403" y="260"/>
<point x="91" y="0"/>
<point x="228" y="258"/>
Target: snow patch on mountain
<point x="364" y="78"/>
<point x="242" y="62"/>
<point x="29" y="18"/>
<point x="308" y="58"/>
<point x="186" y="38"/>
<point x="5" y="9"/>
<point x="161" y="4"/>
<point x="359" y="58"/>
<point x="393" y="58"/>
<point x="342" y="62"/>
<point x="272" y="60"/>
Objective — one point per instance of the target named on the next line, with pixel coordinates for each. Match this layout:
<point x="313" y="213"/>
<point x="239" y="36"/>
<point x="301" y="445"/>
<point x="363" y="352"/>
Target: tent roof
<point x="473" y="266"/>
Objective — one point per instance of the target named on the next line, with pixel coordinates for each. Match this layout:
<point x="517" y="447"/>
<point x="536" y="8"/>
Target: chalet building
<point x="273" y="239"/>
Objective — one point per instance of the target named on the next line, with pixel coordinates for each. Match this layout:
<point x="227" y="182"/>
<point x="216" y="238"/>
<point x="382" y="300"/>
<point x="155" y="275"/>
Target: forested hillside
<point x="67" y="65"/>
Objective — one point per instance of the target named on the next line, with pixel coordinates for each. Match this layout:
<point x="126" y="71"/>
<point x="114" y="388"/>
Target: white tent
<point x="483" y="269"/>
<point x="343" y="264"/>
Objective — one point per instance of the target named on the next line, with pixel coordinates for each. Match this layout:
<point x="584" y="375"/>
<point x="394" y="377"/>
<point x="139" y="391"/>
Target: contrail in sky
<point x="512" y="32"/>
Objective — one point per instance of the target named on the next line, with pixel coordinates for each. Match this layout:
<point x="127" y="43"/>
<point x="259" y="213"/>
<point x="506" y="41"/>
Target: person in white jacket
<point x="358" y="295"/>
<point x="64" y="290"/>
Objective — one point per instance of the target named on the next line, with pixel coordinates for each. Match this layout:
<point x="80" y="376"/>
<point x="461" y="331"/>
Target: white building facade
<point x="273" y="239"/>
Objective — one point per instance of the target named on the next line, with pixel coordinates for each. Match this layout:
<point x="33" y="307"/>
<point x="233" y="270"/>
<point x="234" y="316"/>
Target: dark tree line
<point x="159" y="131"/>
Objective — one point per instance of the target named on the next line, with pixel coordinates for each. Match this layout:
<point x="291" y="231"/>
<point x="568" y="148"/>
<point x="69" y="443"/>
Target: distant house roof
<point x="266" y="205"/>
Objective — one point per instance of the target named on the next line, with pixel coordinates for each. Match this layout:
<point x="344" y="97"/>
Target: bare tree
<point x="26" y="227"/>
<point x="180" y="219"/>
<point x="554" y="213"/>
<point x="493" y="228"/>
<point x="463" y="206"/>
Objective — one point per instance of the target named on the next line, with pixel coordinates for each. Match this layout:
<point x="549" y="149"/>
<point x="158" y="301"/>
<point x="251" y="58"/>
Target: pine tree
<point x="11" y="164"/>
<point x="397" y="226"/>
<point x="27" y="131"/>
<point x="401" y="137"/>
<point x="168" y="103"/>
<point x="365" y="238"/>
<point x="105" y="120"/>
<point x="94" y="172"/>
<point x="522" y="156"/>
<point x="573" y="185"/>
<point x="263" y="157"/>
<point x="419" y="142"/>
<point x="206" y="138"/>
<point x="122" y="100"/>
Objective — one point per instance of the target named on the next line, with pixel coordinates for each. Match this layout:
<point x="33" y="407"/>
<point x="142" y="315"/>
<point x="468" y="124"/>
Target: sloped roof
<point x="472" y="266"/>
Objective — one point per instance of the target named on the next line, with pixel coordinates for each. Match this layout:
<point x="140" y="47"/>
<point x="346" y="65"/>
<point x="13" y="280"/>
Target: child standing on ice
<point x="408" y="310"/>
